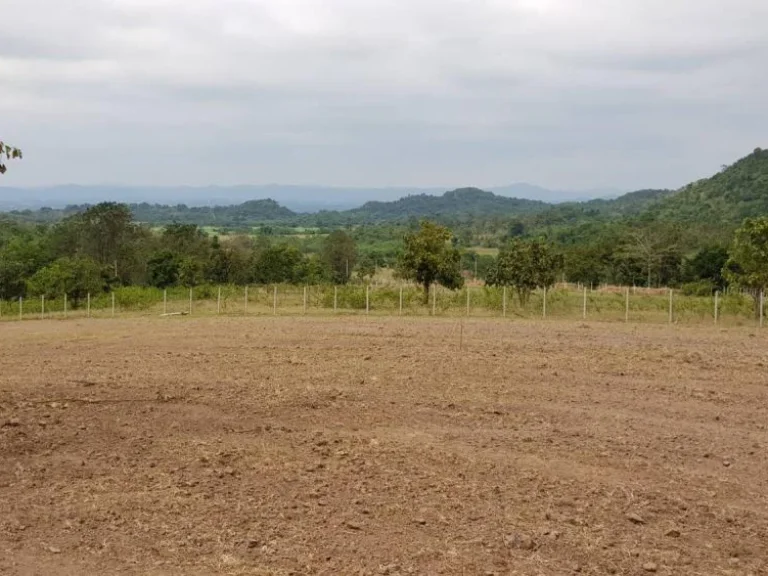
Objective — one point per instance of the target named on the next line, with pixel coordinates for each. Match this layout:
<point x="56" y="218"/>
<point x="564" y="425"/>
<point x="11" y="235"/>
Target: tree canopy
<point x="525" y="266"/>
<point x="429" y="258"/>
<point x="747" y="266"/>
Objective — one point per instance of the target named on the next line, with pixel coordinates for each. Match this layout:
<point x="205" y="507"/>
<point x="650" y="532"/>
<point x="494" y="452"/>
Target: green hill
<point x="727" y="198"/>
<point x="599" y="210"/>
<point x="245" y="214"/>
<point x="456" y="204"/>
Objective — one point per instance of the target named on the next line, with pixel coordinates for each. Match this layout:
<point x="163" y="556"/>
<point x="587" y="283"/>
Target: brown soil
<point x="375" y="446"/>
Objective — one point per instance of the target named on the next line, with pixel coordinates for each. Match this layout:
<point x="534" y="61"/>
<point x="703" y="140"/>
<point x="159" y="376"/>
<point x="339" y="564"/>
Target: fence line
<point x="577" y="302"/>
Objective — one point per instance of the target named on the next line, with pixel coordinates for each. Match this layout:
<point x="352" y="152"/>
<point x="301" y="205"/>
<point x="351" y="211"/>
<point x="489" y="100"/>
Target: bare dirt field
<point x="375" y="446"/>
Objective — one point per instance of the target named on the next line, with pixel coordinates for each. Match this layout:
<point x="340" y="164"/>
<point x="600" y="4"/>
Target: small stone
<point x="253" y="543"/>
<point x="54" y="550"/>
<point x="727" y="463"/>
<point x="672" y="533"/>
<point x="353" y="525"/>
<point x="421" y="521"/>
<point x="520" y="541"/>
<point x="650" y="567"/>
<point x="635" y="518"/>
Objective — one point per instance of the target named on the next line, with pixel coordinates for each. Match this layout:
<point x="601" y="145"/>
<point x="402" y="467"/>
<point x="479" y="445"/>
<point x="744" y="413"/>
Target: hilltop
<point x="462" y="202"/>
<point x="737" y="192"/>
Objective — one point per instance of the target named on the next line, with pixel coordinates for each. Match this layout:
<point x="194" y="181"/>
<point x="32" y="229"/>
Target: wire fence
<point x="564" y="302"/>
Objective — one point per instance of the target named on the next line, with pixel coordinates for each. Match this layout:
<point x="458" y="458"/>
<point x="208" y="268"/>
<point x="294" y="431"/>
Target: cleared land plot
<point x="191" y="446"/>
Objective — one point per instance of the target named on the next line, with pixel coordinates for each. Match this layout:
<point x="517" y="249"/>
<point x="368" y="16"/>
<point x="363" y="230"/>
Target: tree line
<point x="103" y="247"/>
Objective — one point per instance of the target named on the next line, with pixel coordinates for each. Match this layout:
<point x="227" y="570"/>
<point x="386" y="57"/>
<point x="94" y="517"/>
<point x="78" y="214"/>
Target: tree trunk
<point x="426" y="292"/>
<point x="650" y="265"/>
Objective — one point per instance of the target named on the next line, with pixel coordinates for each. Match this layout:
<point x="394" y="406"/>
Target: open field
<point x="352" y="445"/>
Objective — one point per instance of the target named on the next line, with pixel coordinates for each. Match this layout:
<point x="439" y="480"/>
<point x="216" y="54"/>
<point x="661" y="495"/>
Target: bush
<point x="699" y="288"/>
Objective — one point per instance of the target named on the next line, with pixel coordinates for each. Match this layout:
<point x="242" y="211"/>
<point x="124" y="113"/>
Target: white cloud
<point x="482" y="91"/>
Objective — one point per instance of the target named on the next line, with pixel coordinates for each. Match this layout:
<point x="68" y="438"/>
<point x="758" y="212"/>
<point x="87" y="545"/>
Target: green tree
<point x="525" y="266"/>
<point x="12" y="279"/>
<point x="311" y="270"/>
<point x="516" y="229"/>
<point x="339" y="254"/>
<point x="105" y="233"/>
<point x="278" y="264"/>
<point x="584" y="264"/>
<point x="190" y="272"/>
<point x="429" y="258"/>
<point x="163" y="269"/>
<point x="7" y="153"/>
<point x="708" y="264"/>
<point x="657" y="248"/>
<point x="76" y="277"/>
<point x="227" y="264"/>
<point x="366" y="268"/>
<point x="747" y="266"/>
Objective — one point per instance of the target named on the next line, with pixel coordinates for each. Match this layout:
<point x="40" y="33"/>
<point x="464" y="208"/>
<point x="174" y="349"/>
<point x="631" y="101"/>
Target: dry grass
<point x="193" y="446"/>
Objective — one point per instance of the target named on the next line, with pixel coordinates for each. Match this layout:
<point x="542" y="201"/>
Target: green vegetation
<point x="428" y="258"/>
<point x="650" y="238"/>
<point x="748" y="265"/>
<point x="526" y="266"/>
<point x="7" y="152"/>
<point x="463" y="203"/>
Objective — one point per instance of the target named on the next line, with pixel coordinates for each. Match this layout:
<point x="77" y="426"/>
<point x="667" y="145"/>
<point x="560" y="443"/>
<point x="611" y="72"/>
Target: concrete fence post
<point x="671" y="314"/>
<point x="717" y="302"/>
<point x="626" y="306"/>
<point x="468" y="301"/>
<point x="504" y="302"/>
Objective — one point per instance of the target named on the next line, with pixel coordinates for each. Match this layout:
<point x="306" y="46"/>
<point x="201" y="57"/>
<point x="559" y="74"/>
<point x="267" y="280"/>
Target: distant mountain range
<point x="302" y="199"/>
<point x="720" y="202"/>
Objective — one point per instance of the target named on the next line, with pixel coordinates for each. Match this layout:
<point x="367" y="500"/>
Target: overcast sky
<point x="561" y="93"/>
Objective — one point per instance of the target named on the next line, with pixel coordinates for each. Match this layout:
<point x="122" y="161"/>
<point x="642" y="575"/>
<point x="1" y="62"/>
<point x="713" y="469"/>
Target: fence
<point x="407" y="300"/>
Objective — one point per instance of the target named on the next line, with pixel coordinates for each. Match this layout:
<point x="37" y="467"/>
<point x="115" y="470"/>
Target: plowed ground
<point x="378" y="446"/>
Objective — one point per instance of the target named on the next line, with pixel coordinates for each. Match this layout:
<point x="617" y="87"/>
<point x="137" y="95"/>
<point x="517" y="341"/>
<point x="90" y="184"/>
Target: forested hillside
<point x="463" y="202"/>
<point x="737" y="192"/>
<point x="725" y="199"/>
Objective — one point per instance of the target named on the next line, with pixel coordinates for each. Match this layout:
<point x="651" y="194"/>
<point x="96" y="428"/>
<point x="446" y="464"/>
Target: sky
<point x="571" y="95"/>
